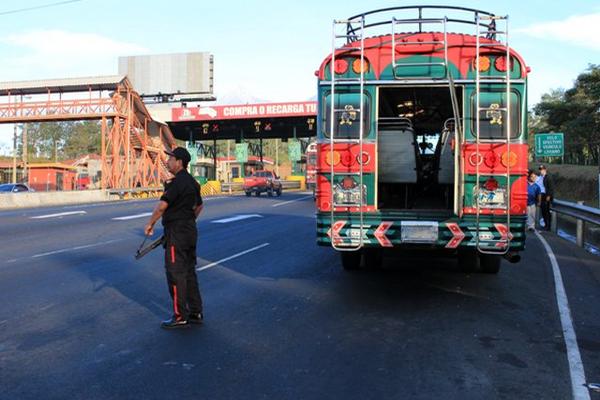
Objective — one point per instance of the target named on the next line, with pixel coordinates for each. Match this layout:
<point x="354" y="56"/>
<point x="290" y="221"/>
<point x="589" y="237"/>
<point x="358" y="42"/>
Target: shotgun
<point x="142" y="251"/>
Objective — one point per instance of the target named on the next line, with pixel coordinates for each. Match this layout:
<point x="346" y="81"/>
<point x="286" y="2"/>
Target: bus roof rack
<point x="385" y="16"/>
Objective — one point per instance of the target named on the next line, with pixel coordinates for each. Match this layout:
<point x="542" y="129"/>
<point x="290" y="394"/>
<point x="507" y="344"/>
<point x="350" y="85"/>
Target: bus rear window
<point x="347" y="115"/>
<point x="492" y="120"/>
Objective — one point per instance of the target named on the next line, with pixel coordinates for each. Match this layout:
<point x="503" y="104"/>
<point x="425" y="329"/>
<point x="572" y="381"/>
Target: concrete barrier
<point x="39" y="199"/>
<point x="297" y="178"/>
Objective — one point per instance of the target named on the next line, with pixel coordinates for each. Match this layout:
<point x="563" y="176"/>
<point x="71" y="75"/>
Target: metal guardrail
<point x="239" y="186"/>
<point x="582" y="214"/>
<point x="134" y="192"/>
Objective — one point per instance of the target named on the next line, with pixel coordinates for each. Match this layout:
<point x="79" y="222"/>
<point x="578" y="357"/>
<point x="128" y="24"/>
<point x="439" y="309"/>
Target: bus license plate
<point x="492" y="198"/>
<point x="419" y="231"/>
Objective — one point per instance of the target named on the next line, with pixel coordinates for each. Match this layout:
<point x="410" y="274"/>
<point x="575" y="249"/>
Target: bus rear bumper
<point x="413" y="231"/>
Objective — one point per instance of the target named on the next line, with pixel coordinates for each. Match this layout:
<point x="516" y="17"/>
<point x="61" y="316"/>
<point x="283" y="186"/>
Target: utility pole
<point x="14" y="174"/>
<point x="227" y="165"/>
<point x="24" y="138"/>
<point x="277" y="156"/>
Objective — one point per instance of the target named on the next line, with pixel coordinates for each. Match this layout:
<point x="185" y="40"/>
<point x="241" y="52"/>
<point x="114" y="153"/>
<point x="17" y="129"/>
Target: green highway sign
<point x="294" y="150"/>
<point x="193" y="150"/>
<point x="241" y="152"/>
<point x="549" y="144"/>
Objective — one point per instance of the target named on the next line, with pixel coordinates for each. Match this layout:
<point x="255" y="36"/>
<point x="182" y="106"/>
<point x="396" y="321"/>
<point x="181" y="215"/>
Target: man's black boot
<point x="196" y="318"/>
<point x="174" y="323"/>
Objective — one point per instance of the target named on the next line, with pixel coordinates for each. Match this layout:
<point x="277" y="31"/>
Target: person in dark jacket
<point x="547" y="188"/>
<point x="179" y="206"/>
<point x="533" y="199"/>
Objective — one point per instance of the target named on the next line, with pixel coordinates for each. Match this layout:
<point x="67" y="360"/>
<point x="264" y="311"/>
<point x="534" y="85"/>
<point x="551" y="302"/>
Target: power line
<point x="59" y="3"/>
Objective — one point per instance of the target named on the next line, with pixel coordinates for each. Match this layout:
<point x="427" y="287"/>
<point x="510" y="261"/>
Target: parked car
<point x="83" y="182"/>
<point x="15" y="188"/>
<point x="262" y="181"/>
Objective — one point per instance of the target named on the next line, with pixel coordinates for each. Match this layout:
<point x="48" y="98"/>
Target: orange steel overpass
<point x="132" y="141"/>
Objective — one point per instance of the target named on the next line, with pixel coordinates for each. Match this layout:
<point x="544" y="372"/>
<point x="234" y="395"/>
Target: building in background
<point x="45" y="177"/>
<point x="89" y="171"/>
<point x="228" y="168"/>
<point x="6" y="172"/>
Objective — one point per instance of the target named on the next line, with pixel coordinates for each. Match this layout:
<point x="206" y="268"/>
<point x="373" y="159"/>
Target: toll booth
<point x="229" y="168"/>
<point x="248" y="125"/>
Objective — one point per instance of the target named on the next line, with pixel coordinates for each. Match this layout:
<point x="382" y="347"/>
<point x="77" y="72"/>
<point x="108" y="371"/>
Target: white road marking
<point x="128" y="217"/>
<point x="236" y="218"/>
<point x="213" y="264"/>
<point x="87" y="246"/>
<point x="291" y="201"/>
<point x="578" y="388"/>
<point x="62" y="214"/>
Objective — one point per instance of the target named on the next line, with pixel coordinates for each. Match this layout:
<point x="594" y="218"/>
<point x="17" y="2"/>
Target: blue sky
<point x="265" y="50"/>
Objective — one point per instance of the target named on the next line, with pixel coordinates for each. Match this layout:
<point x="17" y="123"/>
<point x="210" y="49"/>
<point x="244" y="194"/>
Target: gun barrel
<point x="142" y="252"/>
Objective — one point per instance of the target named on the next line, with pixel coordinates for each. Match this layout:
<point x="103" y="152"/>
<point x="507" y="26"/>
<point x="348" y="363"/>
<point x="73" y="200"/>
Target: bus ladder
<point x="492" y="31"/>
<point x="350" y="35"/>
<point x="447" y="76"/>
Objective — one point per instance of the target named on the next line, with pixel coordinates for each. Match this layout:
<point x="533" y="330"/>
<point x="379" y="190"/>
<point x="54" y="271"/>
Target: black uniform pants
<point x="180" y="266"/>
<point x="545" y="209"/>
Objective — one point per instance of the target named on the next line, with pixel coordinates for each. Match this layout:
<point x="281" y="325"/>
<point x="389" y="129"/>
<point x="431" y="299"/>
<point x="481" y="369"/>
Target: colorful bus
<point x="311" y="167"/>
<point x="422" y="137"/>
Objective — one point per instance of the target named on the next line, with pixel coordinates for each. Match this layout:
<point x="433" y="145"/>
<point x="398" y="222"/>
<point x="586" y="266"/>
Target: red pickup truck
<point x="262" y="181"/>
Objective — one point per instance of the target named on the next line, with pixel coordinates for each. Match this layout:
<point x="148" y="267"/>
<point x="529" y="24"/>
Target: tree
<point x="83" y="138"/>
<point x="576" y="112"/>
<point x="67" y="140"/>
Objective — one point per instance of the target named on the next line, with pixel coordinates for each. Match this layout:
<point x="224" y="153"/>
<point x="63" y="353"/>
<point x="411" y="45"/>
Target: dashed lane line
<point x="214" y="264"/>
<point x="128" y="217"/>
<point x="236" y="218"/>
<point x="291" y="201"/>
<point x="87" y="246"/>
<point x="578" y="388"/>
<point x="62" y="214"/>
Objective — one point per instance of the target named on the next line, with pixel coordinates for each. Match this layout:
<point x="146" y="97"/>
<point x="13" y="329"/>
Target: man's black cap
<point x="180" y="153"/>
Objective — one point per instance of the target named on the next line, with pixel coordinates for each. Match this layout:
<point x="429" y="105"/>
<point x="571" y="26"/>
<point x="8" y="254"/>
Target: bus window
<point x="492" y="122"/>
<point x="347" y="115"/>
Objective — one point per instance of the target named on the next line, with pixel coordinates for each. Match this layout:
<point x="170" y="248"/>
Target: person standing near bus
<point x="179" y="206"/>
<point x="534" y="197"/>
<point x="547" y="187"/>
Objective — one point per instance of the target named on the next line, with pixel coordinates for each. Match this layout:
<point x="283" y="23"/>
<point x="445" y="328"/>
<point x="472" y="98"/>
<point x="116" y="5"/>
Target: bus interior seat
<point x="397" y="155"/>
<point x="446" y="164"/>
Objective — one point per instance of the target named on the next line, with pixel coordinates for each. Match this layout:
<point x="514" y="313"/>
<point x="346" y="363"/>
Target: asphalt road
<point x="79" y="317"/>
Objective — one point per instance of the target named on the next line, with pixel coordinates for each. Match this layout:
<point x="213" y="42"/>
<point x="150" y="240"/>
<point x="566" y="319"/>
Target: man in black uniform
<point x="179" y="206"/>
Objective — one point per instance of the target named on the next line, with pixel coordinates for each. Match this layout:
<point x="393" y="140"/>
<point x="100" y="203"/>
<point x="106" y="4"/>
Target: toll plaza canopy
<point x="245" y="121"/>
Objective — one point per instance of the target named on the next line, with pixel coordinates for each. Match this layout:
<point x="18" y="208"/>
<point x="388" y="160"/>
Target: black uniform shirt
<point x="548" y="185"/>
<point x="183" y="195"/>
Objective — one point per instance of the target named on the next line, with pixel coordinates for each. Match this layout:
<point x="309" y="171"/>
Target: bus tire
<point x="351" y="260"/>
<point x="468" y="260"/>
<point x="373" y="258"/>
<point x="248" y="194"/>
<point x="489" y="264"/>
